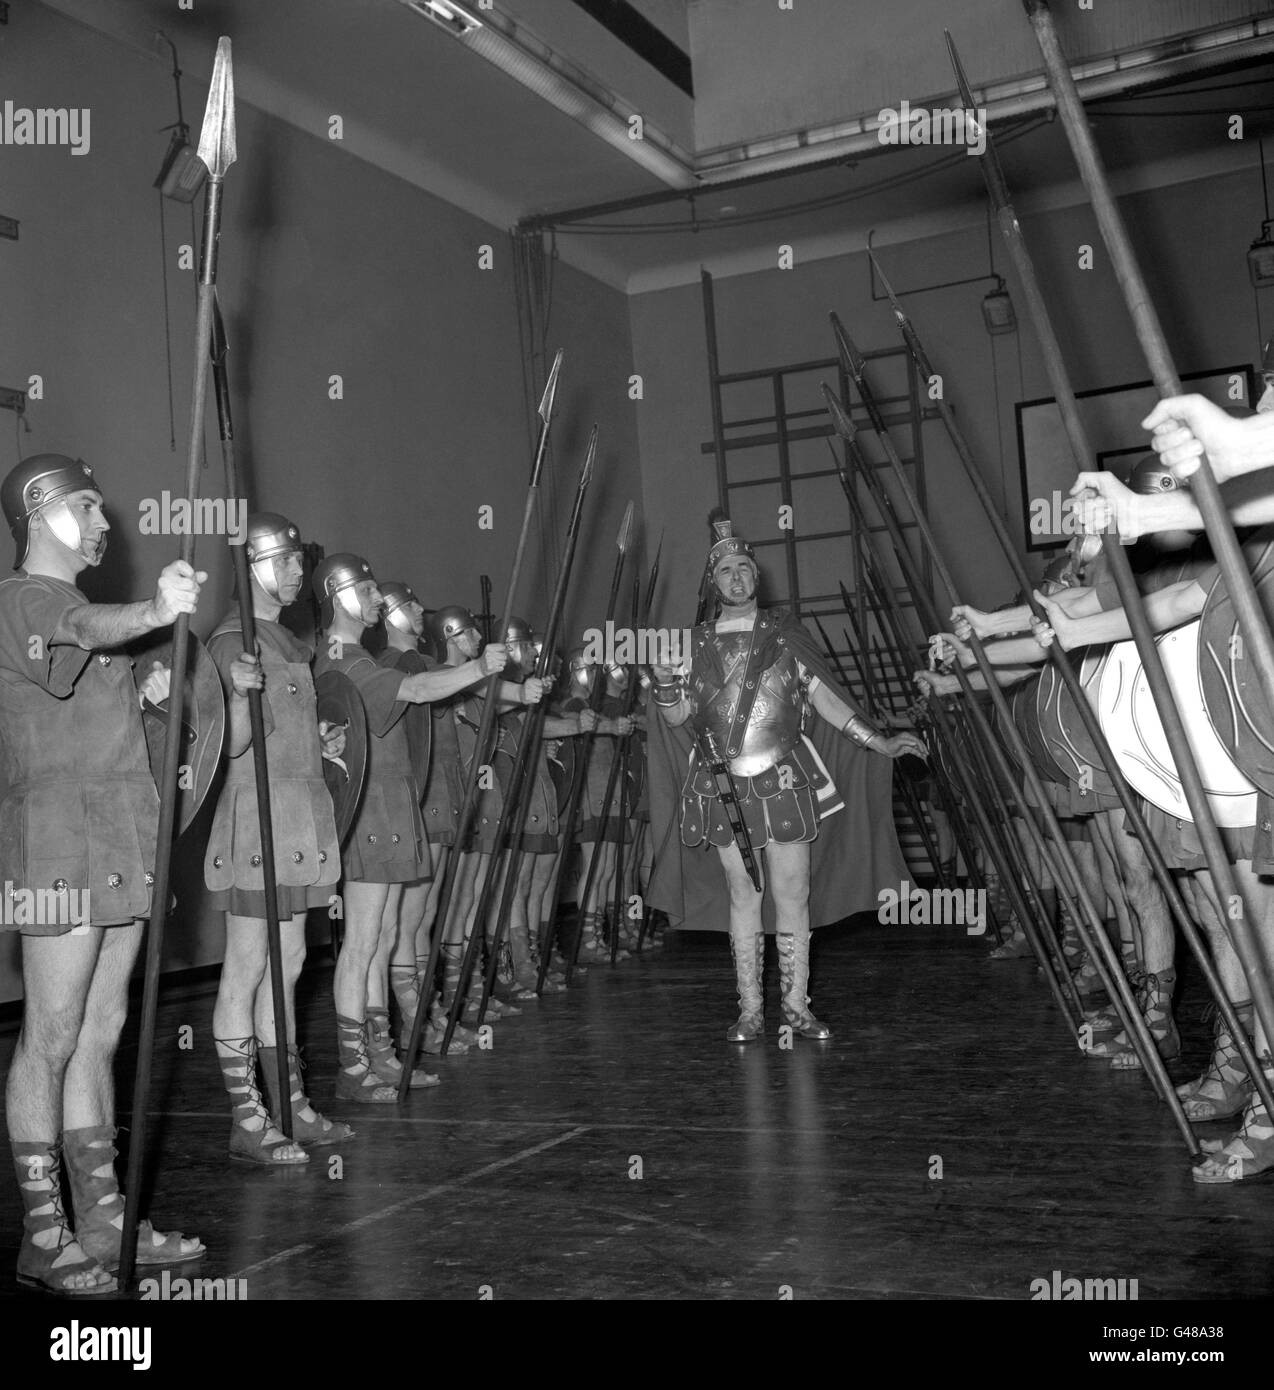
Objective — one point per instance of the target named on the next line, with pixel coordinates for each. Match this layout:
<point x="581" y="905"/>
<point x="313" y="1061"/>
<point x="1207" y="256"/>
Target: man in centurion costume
<point x="612" y="725"/>
<point x="756" y="782"/>
<point x="458" y="639"/>
<point x="541" y="837"/>
<point x="307" y="853"/>
<point x="78" y="830"/>
<point x="386" y="847"/>
<point x="404" y="618"/>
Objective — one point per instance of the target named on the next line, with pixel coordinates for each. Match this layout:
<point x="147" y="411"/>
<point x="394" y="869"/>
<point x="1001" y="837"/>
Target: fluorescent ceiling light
<point x="451" y="17"/>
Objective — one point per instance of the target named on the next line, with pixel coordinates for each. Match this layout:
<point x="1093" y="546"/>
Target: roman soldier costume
<point x="743" y="770"/>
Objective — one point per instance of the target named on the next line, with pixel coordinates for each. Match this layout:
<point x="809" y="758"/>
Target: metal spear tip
<point x="625" y="530"/>
<point x="884" y="280"/>
<point x="550" y="390"/>
<point x="841" y="422"/>
<point x="217" y="137"/>
<point x="962" y="82"/>
<point x="851" y="359"/>
<point x="586" y="474"/>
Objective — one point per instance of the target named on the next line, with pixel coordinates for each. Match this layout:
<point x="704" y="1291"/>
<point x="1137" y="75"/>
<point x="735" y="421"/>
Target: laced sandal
<point x="308" y="1126"/>
<point x="1225" y="1087"/>
<point x="253" y="1137"/>
<point x="380" y="1054"/>
<point x="50" y="1259"/>
<point x="355" y="1079"/>
<point x="89" y="1160"/>
<point x="1017" y="947"/>
<point x="462" y="1040"/>
<point x="1249" y="1154"/>
<point x="1154" y="997"/>
<point x="1086" y="979"/>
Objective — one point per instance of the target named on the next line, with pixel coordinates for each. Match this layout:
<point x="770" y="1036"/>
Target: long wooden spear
<point x="217" y="150"/>
<point x="1061" y="659"/>
<point x="483" y="743"/>
<point x="1089" y="922"/>
<point x="256" y="718"/>
<point x="517" y="802"/>
<point x="975" y="788"/>
<point x="623" y="754"/>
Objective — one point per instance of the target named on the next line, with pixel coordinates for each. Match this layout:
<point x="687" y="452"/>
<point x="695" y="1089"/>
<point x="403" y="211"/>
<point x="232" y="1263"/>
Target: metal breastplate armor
<point x="774" y="723"/>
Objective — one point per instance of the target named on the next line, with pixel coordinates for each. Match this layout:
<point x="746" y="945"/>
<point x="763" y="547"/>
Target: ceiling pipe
<point x="1173" y="59"/>
<point x="525" y="57"/>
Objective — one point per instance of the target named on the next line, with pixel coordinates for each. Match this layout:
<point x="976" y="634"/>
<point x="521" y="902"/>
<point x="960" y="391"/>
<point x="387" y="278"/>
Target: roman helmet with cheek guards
<point x="36" y="484"/>
<point x="397" y="596"/>
<point x="450" y="622"/>
<point x="335" y="578"/>
<point x="519" y="633"/>
<point x="269" y="534"/>
<point x="1150" y="475"/>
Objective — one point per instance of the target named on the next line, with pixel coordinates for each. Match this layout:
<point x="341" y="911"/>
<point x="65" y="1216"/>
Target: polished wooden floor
<point x="611" y="1145"/>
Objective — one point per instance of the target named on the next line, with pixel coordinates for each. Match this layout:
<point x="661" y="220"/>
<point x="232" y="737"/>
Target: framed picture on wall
<point x="1112" y="418"/>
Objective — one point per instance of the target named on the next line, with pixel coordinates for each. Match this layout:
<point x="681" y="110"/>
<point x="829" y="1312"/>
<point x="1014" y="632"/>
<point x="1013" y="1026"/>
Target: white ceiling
<point x="420" y="105"/>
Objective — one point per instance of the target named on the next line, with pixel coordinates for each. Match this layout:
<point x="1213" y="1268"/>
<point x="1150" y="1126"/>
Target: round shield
<point x="1023" y="704"/>
<point x="340" y="703"/>
<point x="562" y="771"/>
<point x="1134" y="731"/>
<point x="1235" y="702"/>
<point x="203" y="730"/>
<point x="1065" y="734"/>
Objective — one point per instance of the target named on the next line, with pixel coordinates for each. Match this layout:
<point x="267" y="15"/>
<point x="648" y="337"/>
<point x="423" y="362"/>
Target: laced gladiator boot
<point x="308" y="1126"/>
<point x="88" y="1156"/>
<point x="524" y="970"/>
<point x="252" y="1136"/>
<point x="554" y="982"/>
<point x="748" y="950"/>
<point x="50" y="1258"/>
<point x="404" y="981"/>
<point x="794" y="974"/>
<point x="436" y="1029"/>
<point x="1225" y="1087"/>
<point x="355" y="1079"/>
<point x="1154" y="999"/>
<point x="1250" y="1152"/>
<point x="380" y="1053"/>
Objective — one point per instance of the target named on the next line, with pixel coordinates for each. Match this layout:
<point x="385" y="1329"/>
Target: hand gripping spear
<point x="260" y="764"/>
<point x="1090" y="925"/>
<point x="1061" y="660"/>
<point x="483" y="743"/>
<point x="517" y="802"/>
<point x="596" y="693"/>
<point x="217" y="150"/>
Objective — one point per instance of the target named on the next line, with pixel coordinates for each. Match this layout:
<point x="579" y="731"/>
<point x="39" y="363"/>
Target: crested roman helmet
<point x="1151" y="475"/>
<point x="725" y="543"/>
<point x="335" y="577"/>
<point x="32" y="485"/>
<point x="397" y="595"/>
<point x="448" y="622"/>
<point x="269" y="534"/>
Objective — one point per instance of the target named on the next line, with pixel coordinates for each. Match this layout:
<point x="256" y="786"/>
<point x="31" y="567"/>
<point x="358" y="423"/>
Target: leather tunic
<point x="306" y="850"/>
<point x="80" y="808"/>
<point x="387" y="842"/>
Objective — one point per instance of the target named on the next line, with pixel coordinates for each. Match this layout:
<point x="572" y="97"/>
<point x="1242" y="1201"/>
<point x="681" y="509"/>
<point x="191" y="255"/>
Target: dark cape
<point x="856" y="854"/>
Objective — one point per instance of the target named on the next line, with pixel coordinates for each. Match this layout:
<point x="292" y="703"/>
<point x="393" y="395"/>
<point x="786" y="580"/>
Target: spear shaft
<point x="217" y="150"/>
<point x="256" y="719"/>
<point x="483" y="742"/>
<point x="1090" y="923"/>
<point x="518" y="801"/>
<point x="1061" y="659"/>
